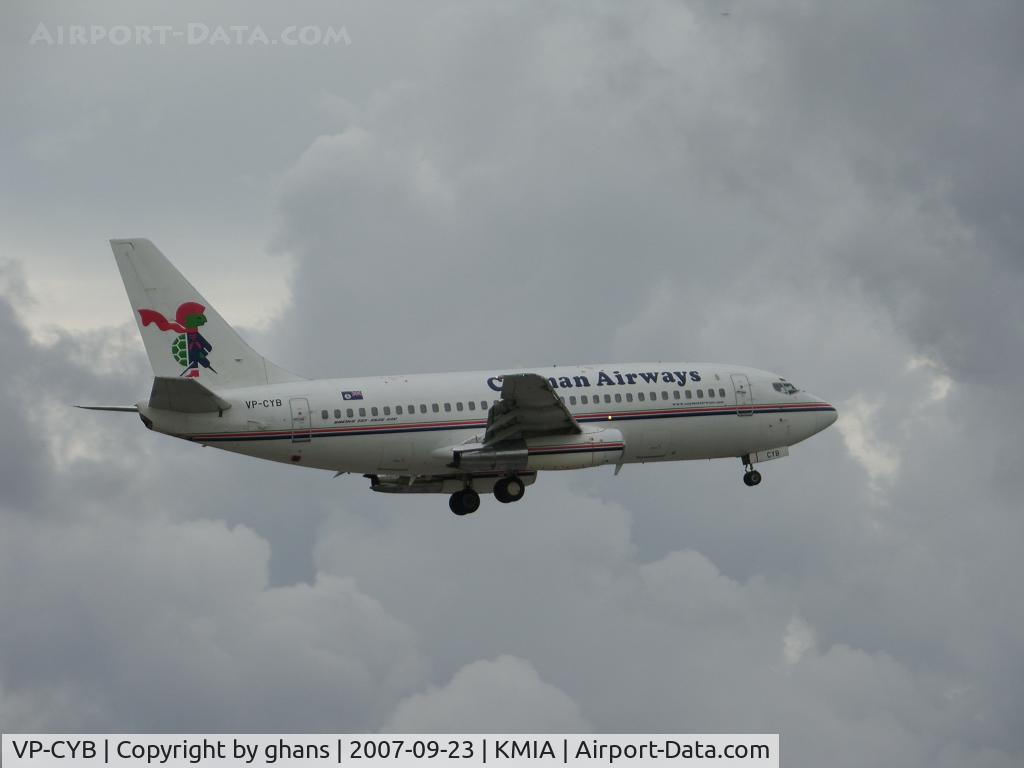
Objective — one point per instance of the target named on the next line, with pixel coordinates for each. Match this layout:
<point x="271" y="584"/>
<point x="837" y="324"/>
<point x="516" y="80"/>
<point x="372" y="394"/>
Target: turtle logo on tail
<point x="189" y="348"/>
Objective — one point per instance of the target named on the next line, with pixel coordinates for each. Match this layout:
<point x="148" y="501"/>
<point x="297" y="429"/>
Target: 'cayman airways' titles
<point x="615" y="378"/>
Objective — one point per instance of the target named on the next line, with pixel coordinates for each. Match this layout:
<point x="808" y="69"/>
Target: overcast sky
<point x="827" y="190"/>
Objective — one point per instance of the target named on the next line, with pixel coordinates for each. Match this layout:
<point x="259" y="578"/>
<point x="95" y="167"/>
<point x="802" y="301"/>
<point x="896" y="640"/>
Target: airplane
<point x="462" y="434"/>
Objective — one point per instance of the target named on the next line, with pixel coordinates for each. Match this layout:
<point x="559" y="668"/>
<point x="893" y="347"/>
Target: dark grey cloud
<point x="823" y="191"/>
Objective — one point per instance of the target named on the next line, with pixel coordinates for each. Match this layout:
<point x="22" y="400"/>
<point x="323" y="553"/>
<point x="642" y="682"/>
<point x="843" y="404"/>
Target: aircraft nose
<point x="827" y="415"/>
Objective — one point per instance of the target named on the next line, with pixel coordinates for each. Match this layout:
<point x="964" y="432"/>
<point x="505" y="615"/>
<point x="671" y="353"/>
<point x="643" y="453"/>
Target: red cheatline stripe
<point x="370" y="428"/>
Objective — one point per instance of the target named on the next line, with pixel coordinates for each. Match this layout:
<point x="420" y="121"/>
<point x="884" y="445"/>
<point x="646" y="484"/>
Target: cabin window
<point x="572" y="399"/>
<point x="629" y="397"/>
<point x="412" y="410"/>
<point x="374" y="411"/>
<point x="423" y="407"/>
<point x="362" y="412"/>
<point x="435" y="407"/>
<point x="323" y="414"/>
<point x="608" y="398"/>
<point x="700" y="394"/>
<point x="349" y="413"/>
<point x="459" y="406"/>
<point x="447" y="407"/>
<point x="640" y="396"/>
<point x="689" y="395"/>
<point x="675" y="394"/>
<point x="483" y="405"/>
<point x="654" y="395"/>
<point x="472" y="405"/>
<point x="337" y="413"/>
<point x="387" y="410"/>
<point x="583" y="399"/>
<point x="398" y="410"/>
<point x="664" y="394"/>
<point x="721" y="392"/>
<point x="618" y="397"/>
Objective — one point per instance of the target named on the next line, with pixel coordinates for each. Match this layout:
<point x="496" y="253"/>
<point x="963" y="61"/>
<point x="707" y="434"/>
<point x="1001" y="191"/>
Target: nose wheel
<point x="751" y="477"/>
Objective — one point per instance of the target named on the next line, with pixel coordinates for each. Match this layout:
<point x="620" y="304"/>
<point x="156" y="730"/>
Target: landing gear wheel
<point x="464" y="502"/>
<point x="509" y="489"/>
<point x="751" y="477"/>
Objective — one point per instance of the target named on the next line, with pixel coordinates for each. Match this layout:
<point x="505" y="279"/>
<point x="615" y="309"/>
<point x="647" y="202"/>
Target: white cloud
<point x="798" y="640"/>
<point x="858" y="425"/>
<point x="505" y="695"/>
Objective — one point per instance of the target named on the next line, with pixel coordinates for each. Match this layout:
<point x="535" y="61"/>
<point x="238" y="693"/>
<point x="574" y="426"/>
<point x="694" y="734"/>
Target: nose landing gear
<point x="751" y="477"/>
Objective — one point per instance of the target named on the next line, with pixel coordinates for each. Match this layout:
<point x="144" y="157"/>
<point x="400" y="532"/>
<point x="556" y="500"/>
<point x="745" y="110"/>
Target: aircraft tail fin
<point x="185" y="336"/>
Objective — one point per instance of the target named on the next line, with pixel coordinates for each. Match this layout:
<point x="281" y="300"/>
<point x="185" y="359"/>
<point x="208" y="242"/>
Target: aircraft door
<point x="744" y="401"/>
<point x="300" y="419"/>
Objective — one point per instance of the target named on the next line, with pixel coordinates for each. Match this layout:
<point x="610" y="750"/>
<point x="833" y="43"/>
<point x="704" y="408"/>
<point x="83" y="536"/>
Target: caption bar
<point x="376" y="750"/>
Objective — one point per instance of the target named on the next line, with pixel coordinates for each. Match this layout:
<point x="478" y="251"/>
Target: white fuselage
<point x="409" y="425"/>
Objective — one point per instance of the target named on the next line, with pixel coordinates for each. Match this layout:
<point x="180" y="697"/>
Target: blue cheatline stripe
<point x="731" y="410"/>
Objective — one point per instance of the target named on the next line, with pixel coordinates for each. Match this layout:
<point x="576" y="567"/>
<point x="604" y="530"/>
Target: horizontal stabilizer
<point x="118" y="408"/>
<point x="184" y="396"/>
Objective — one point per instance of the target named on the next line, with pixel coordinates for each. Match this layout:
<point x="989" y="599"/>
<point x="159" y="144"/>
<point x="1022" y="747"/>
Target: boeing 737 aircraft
<point x="461" y="434"/>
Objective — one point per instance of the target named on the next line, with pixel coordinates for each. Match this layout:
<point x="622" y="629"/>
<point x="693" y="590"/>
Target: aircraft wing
<point x="528" y="407"/>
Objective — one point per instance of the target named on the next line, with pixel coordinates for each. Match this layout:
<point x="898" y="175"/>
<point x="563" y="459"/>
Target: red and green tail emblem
<point x="189" y="348"/>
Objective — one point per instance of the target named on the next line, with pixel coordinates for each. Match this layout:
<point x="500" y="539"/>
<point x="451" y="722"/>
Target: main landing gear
<point x="506" y="490"/>
<point x="464" y="502"/>
<point x="509" y="489"/>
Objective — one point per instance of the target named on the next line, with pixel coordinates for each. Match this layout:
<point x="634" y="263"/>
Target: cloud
<point x="114" y="613"/>
<point x="798" y="640"/>
<point x="856" y="424"/>
<point x="506" y="693"/>
<point x="826" y="192"/>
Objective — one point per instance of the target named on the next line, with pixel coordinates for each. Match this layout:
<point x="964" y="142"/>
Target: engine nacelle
<point x="486" y="458"/>
<point x="592" y="448"/>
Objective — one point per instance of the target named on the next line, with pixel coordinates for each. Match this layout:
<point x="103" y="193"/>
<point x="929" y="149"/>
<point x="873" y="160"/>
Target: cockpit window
<point x="784" y="387"/>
